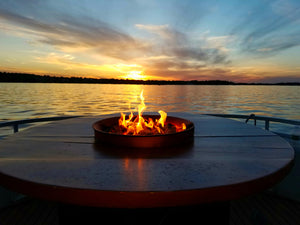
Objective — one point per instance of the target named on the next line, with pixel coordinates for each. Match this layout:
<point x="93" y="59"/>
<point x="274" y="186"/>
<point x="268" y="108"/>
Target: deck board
<point x="260" y="209"/>
<point x="266" y="209"/>
<point x="30" y="211"/>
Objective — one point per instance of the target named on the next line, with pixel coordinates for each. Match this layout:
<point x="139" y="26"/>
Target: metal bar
<point x="267" y="124"/>
<point x="252" y="116"/>
<point x="15" y="124"/>
<point x="16" y="128"/>
<point x="44" y="119"/>
<point x="271" y="119"/>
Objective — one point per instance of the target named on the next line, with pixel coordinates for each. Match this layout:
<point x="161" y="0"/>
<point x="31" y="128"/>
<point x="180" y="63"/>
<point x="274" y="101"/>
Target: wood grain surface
<point x="60" y="161"/>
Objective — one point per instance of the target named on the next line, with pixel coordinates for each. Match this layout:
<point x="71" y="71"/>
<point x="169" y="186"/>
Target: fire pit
<point x="148" y="131"/>
<point x="104" y="135"/>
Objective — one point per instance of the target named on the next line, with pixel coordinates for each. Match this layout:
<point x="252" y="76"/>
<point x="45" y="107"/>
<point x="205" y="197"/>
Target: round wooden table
<point x="60" y="162"/>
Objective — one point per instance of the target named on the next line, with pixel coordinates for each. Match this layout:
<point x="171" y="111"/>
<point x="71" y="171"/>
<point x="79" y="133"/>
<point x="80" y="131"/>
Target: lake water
<point x="33" y="100"/>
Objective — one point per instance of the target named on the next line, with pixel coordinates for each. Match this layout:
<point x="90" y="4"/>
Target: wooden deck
<point x="30" y="211"/>
<point x="260" y="209"/>
<point x="265" y="209"/>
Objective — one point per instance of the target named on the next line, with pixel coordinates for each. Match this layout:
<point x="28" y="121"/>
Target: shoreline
<point x="32" y="78"/>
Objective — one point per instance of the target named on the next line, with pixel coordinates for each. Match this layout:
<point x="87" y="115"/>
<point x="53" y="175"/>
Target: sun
<point x="135" y="75"/>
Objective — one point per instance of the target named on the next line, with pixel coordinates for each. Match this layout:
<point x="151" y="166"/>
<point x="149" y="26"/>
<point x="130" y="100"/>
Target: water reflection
<point x="134" y="170"/>
<point x="19" y="101"/>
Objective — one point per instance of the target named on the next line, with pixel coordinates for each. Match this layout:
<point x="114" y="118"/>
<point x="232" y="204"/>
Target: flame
<point x="139" y="125"/>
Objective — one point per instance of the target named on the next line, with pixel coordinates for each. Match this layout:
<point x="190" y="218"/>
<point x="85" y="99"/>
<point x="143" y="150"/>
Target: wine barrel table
<point x="61" y="162"/>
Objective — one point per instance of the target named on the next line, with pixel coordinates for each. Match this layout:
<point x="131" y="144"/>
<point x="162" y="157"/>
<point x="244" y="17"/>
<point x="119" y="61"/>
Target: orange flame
<point x="137" y="125"/>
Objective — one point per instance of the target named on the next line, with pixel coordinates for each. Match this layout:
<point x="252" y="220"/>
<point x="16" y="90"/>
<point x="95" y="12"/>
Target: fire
<point x="139" y="125"/>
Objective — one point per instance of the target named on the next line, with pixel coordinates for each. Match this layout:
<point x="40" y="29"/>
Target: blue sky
<point x="252" y="41"/>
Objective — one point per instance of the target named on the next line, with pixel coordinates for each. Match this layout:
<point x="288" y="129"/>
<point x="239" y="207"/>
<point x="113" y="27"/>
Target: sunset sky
<point x="243" y="41"/>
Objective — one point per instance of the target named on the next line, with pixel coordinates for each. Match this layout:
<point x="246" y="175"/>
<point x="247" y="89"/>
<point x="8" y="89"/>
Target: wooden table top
<point x="59" y="161"/>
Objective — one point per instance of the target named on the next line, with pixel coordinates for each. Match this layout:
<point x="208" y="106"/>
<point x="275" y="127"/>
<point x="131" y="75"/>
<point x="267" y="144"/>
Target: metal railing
<point x="15" y="123"/>
<point x="255" y="118"/>
<point x="267" y="120"/>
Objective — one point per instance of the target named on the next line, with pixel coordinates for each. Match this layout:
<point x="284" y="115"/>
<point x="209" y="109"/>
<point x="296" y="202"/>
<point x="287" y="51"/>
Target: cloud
<point x="67" y="61"/>
<point x="75" y="34"/>
<point x="278" y="79"/>
<point x="220" y="42"/>
<point x="179" y="52"/>
<point x="269" y="28"/>
<point x="177" y="48"/>
<point x="71" y="34"/>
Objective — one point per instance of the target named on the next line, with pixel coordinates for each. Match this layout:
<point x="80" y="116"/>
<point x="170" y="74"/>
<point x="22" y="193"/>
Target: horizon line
<point x="35" y="78"/>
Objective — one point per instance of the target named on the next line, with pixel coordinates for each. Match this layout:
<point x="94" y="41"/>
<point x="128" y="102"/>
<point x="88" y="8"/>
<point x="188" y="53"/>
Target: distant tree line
<point x="32" y="78"/>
